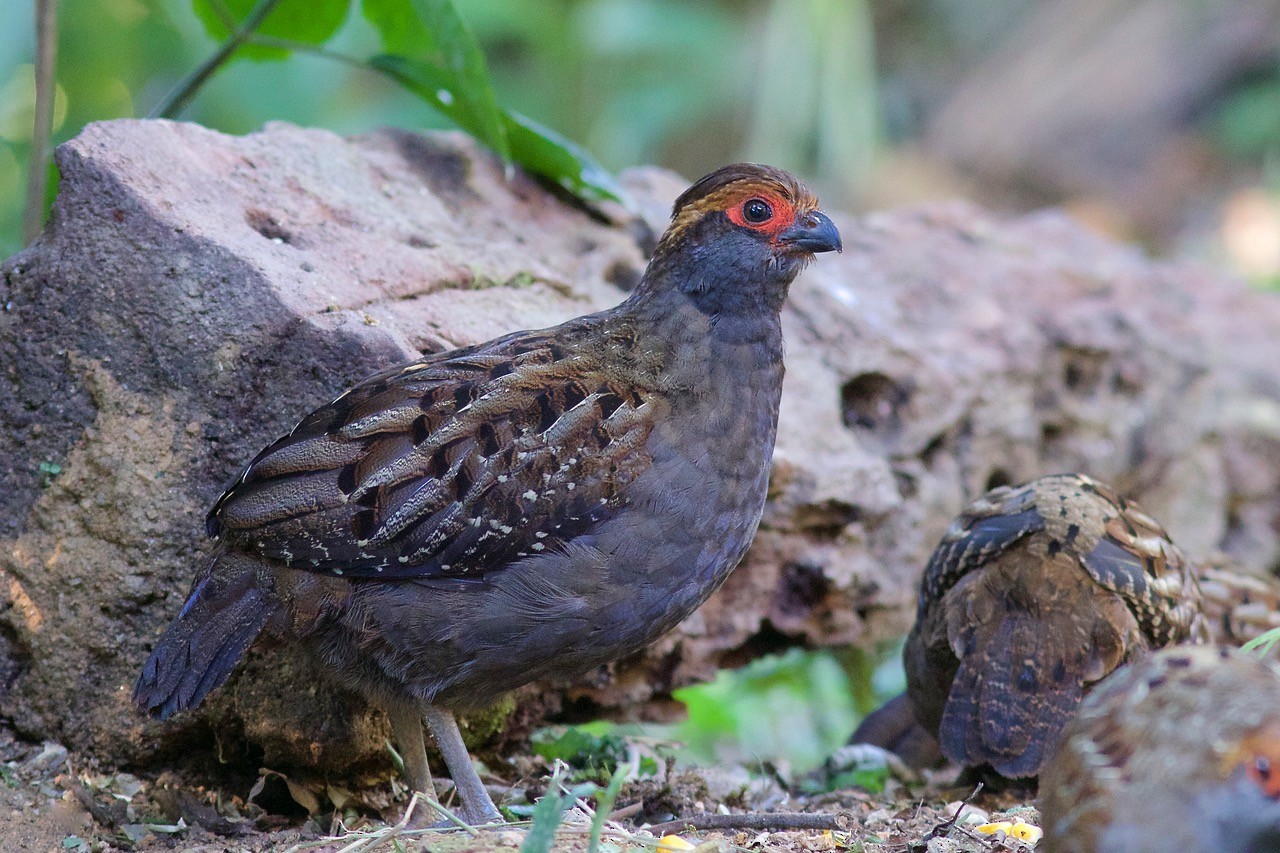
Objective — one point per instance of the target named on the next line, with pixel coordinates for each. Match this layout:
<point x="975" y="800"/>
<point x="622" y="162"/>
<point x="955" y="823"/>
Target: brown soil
<point x="54" y="801"/>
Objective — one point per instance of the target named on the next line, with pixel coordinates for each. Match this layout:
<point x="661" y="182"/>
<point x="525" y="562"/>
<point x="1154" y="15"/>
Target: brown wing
<point x="449" y="466"/>
<point x="987" y="528"/>
<point x="1130" y="553"/>
<point x="1121" y="547"/>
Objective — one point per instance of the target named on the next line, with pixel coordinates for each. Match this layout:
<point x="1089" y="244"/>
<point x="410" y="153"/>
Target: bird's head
<point x="1242" y="813"/>
<point x="739" y="236"/>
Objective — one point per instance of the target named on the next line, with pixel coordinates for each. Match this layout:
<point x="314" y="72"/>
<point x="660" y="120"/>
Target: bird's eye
<point x="1263" y="775"/>
<point x="756" y="211"/>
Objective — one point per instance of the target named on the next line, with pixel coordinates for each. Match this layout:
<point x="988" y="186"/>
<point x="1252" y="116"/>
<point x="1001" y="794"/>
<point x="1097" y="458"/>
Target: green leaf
<point x="307" y="21"/>
<point x="585" y="748"/>
<point x="537" y="149"/>
<point x="870" y="779"/>
<point x="430" y="82"/>
<point x="452" y="64"/>
<point x="400" y="27"/>
<point x="544" y="152"/>
<point x="1264" y="642"/>
<point x="735" y="716"/>
<point x="1248" y="123"/>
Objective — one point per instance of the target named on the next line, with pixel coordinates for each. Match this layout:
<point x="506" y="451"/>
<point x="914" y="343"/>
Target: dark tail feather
<point x="1010" y="699"/>
<point x="222" y="617"/>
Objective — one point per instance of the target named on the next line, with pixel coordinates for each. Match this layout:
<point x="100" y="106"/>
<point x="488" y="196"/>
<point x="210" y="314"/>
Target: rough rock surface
<point x="197" y="293"/>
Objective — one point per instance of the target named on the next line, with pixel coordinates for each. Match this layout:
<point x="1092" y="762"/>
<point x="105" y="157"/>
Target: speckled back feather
<point x="449" y="466"/>
<point x="1120" y="546"/>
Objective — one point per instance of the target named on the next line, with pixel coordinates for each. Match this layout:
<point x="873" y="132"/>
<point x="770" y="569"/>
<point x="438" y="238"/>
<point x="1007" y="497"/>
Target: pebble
<point x="51" y="757"/>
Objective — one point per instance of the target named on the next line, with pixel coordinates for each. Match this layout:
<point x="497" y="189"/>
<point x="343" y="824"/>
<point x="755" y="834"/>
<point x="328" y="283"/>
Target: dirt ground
<point x="53" y="801"/>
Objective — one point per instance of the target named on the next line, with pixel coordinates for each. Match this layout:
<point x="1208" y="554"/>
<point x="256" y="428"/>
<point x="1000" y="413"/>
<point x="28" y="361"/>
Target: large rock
<point x="196" y="293"/>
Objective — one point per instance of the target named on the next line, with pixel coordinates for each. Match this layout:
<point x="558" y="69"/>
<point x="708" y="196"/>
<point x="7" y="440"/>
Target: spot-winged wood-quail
<point x="536" y="505"/>
<point x="1177" y="751"/>
<point x="1034" y="594"/>
<point x="1238" y="605"/>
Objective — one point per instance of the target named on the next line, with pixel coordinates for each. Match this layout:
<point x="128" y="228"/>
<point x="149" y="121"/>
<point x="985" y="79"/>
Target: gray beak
<point x="813" y="232"/>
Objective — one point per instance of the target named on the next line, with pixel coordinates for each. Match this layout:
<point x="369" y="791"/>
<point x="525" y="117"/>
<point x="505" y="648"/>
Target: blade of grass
<point x="547" y="815"/>
<point x="1264" y="642"/>
<point x="42" y="132"/>
<point x="604" y="805"/>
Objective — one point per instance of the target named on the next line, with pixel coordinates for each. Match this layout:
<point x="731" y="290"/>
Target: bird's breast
<point x="694" y="512"/>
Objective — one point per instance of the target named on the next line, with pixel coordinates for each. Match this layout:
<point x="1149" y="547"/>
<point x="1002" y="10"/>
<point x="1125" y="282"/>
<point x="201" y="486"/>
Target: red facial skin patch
<point x="784" y="213"/>
<point x="1259" y="755"/>
<point x="1265" y="774"/>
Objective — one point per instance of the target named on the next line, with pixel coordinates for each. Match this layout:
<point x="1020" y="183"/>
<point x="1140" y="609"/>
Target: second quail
<point x="1034" y="594"/>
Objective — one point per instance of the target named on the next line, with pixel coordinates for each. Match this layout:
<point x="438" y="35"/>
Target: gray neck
<point x="725" y="353"/>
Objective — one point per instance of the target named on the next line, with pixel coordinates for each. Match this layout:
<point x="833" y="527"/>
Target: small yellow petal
<point x="1026" y="832"/>
<point x="672" y="843"/>
<point x="999" y="826"/>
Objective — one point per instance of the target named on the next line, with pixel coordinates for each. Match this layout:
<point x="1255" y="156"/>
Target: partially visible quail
<point x="1034" y="594"/>
<point x="1238" y="606"/>
<point x="532" y="506"/>
<point x="1179" y="751"/>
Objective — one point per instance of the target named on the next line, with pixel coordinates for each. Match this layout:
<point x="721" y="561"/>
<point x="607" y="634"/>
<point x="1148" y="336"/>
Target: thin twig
<point x="366" y="841"/>
<point x="177" y="100"/>
<point x="760" y="821"/>
<point x="625" y="812"/>
<point x="42" y="131"/>
<point x="387" y="835"/>
<point x="105" y="816"/>
<point x="946" y="826"/>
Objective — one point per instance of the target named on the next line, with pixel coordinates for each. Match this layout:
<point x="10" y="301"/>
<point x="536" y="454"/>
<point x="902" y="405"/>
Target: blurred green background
<point x="1156" y="120"/>
<point x="1150" y="120"/>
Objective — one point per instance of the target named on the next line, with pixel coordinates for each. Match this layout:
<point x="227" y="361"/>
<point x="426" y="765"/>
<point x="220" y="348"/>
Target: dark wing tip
<point x="975" y="542"/>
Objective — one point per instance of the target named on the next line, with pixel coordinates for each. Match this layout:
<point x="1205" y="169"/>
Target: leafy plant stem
<point x="38" y="174"/>
<point x="177" y="100"/>
<point x="224" y="14"/>
<point x="314" y="50"/>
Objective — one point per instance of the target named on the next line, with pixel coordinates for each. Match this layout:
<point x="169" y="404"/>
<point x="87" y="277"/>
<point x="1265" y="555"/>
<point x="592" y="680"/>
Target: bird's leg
<point x="406" y="726"/>
<point x="477" y="807"/>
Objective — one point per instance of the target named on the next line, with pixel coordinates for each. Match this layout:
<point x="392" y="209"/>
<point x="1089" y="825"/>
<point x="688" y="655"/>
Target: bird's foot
<point x="431" y="814"/>
<point x="482" y="813"/>
<point x="480" y="817"/>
